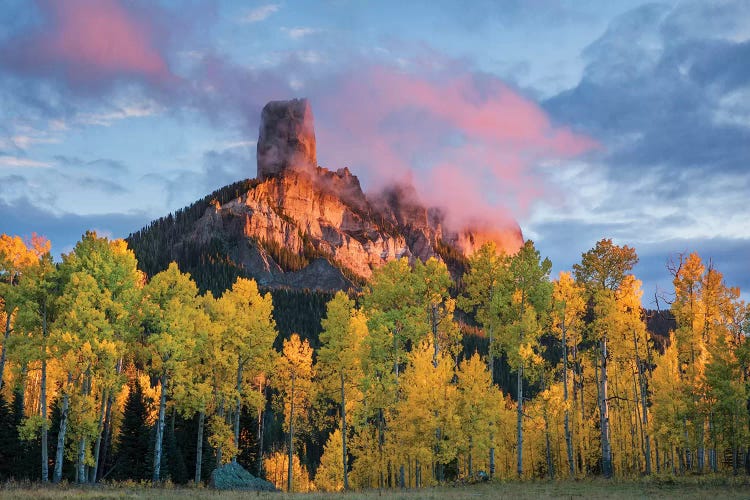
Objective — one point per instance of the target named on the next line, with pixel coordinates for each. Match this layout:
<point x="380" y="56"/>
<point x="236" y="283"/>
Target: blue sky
<point x="579" y="119"/>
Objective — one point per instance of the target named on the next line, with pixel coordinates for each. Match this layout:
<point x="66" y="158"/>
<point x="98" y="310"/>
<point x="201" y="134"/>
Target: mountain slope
<point x="302" y="226"/>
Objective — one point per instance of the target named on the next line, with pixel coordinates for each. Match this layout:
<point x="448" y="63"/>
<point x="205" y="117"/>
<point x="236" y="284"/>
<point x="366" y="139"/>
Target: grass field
<point x="682" y="488"/>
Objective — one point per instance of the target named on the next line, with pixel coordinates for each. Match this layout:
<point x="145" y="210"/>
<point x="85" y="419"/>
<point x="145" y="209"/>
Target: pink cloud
<point x="469" y="141"/>
<point x="89" y="43"/>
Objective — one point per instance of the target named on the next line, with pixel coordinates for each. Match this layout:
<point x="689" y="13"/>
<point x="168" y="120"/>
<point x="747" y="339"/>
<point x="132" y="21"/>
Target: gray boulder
<point x="233" y="476"/>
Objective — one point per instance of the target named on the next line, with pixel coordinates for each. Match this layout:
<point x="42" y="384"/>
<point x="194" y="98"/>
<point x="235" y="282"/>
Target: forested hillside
<point x="112" y="373"/>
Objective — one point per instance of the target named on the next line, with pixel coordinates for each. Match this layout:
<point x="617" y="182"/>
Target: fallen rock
<point x="233" y="476"/>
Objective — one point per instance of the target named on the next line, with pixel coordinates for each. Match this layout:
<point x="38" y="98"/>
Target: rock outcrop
<point x="323" y="219"/>
<point x="287" y="138"/>
<point x="233" y="476"/>
<point x="300" y="225"/>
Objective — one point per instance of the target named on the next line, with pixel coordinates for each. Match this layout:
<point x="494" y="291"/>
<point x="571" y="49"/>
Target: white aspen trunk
<point x="568" y="436"/>
<point x="519" y="423"/>
<point x="237" y="412"/>
<point x="199" y="446"/>
<point x="604" y="414"/>
<point x="343" y="434"/>
<point x="43" y="398"/>
<point x="60" y="453"/>
<point x="160" y="429"/>
<point x="97" y="446"/>
<point x="289" y="484"/>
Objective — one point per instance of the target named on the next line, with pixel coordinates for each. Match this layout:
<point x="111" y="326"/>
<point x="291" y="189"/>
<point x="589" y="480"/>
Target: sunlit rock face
<point x="287" y="138"/>
<point x="325" y="216"/>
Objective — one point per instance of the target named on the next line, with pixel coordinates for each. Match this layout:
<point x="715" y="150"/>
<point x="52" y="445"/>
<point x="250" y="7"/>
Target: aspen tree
<point x="522" y="300"/>
<point x="344" y="329"/>
<point x="601" y="272"/>
<point x="295" y="373"/>
<point x="250" y="331"/>
<point x="172" y="313"/>
<point x="567" y="321"/>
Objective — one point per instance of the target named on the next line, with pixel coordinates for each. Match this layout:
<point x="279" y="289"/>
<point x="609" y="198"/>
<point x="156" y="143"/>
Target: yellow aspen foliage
<point x="328" y="477"/>
<point x="294" y="375"/>
<point x="479" y="408"/>
<point x="276" y="466"/>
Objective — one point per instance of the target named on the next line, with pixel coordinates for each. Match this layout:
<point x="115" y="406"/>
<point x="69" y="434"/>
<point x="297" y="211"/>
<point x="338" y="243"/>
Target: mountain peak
<point x="287" y="138"/>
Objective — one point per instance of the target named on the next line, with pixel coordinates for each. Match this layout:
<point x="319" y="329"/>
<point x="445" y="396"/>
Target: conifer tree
<point x="133" y="438"/>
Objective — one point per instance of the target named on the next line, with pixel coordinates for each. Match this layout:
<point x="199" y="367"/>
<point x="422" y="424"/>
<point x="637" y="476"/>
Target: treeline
<point x="108" y="375"/>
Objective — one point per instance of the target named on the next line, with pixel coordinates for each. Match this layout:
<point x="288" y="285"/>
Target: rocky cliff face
<point x="287" y="138"/>
<point x="304" y="226"/>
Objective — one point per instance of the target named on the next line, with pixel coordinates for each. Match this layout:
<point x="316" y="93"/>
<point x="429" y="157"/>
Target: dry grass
<point x="683" y="488"/>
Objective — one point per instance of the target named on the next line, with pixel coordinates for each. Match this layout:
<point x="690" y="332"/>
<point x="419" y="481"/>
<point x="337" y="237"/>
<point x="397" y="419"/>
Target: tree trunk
<point x="199" y="446"/>
<point x="220" y="415"/>
<point x="491" y="356"/>
<point x="81" y="474"/>
<point x="471" y="463"/>
<point x="701" y="449"/>
<point x="343" y="433"/>
<point x="381" y="442"/>
<point x="60" y="452"/>
<point x="434" y="324"/>
<point x="97" y="446"/>
<point x="237" y="412"/>
<point x="43" y="398"/>
<point x="644" y="405"/>
<point x="550" y="463"/>
<point x="261" y="431"/>
<point x="160" y="428"/>
<point x="519" y="422"/>
<point x="289" y="484"/>
<point x="3" y="353"/>
<point x="604" y="413"/>
<point x="568" y="436"/>
<point x="107" y="432"/>
<point x="43" y="411"/>
<point x="492" y="462"/>
<point x="108" y="421"/>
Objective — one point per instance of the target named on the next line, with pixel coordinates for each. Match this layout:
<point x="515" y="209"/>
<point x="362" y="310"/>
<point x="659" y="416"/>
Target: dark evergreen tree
<point x="248" y="440"/>
<point x="131" y="458"/>
<point x="173" y="462"/>
<point x="26" y="454"/>
<point x="9" y="442"/>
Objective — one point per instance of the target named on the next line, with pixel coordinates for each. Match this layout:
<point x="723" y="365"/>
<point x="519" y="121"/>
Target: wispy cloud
<point x="260" y="13"/>
<point x="298" y="32"/>
<point x="237" y="144"/>
<point x="18" y="162"/>
<point x="24" y="141"/>
<point x="130" y="110"/>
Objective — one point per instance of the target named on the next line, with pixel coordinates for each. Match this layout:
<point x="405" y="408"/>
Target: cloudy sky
<point x="580" y="119"/>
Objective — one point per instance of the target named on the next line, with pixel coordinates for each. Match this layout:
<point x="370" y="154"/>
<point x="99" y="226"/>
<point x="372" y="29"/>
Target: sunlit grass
<point x="698" y="487"/>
